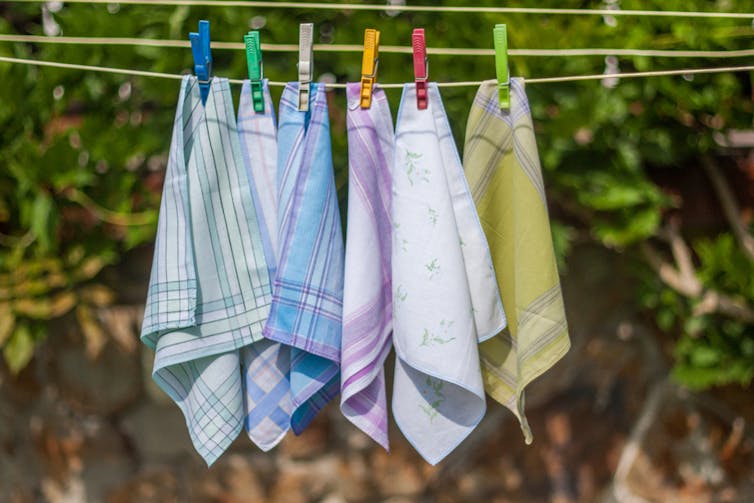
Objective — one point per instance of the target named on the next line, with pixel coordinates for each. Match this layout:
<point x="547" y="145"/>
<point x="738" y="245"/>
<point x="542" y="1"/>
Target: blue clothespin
<point x="202" y="57"/>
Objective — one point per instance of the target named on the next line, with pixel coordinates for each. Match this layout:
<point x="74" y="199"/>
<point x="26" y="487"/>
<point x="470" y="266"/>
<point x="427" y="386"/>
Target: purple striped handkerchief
<point x="367" y="296"/>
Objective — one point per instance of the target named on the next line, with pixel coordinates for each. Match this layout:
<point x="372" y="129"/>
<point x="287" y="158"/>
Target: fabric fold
<point x="209" y="291"/>
<point x="265" y="364"/>
<point x="445" y="296"/>
<point x="503" y="171"/>
<point x="367" y="296"/>
<point x="307" y="305"/>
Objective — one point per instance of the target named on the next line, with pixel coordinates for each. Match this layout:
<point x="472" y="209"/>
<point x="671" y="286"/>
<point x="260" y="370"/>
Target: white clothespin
<point x="305" y="64"/>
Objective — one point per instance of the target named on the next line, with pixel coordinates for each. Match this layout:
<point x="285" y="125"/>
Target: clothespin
<point x="369" y="65"/>
<point x="421" y="67"/>
<point x="305" y="64"/>
<point x="202" y="57"/>
<point x="500" y="36"/>
<point x="256" y="68"/>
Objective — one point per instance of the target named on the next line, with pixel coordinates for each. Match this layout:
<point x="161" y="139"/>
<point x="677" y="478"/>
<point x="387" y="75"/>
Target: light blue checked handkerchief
<point x="307" y="301"/>
<point x="266" y="364"/>
<point x="209" y="293"/>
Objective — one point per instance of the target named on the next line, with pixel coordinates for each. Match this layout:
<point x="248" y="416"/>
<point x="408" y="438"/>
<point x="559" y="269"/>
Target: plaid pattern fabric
<point x="502" y="168"/>
<point x="258" y="135"/>
<point x="209" y="291"/>
<point x="266" y="364"/>
<point x="306" y="312"/>
<point x="367" y="294"/>
<point x="445" y="296"/>
<point x="267" y="392"/>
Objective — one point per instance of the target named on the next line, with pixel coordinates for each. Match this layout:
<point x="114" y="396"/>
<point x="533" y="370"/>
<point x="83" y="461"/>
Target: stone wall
<point x="608" y="426"/>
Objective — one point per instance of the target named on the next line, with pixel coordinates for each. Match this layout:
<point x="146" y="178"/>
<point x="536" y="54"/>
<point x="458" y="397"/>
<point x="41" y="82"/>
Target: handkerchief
<point x="445" y="296"/>
<point x="367" y="296"/>
<point x="307" y="304"/>
<point x="209" y="291"/>
<point x="266" y="364"/>
<point x="502" y="169"/>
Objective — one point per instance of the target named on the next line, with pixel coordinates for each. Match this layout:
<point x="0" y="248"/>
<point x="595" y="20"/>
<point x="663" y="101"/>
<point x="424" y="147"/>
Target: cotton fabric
<point x="265" y="364"/>
<point x="503" y="171"/>
<point x="307" y="305"/>
<point x="367" y="302"/>
<point x="209" y="290"/>
<point x="445" y="295"/>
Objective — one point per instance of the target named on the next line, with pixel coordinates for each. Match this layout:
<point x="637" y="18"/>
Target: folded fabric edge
<point x="366" y="427"/>
<point x="515" y="401"/>
<point x="207" y="455"/>
<point x="268" y="446"/>
<point x="305" y="411"/>
<point x="284" y="337"/>
<point x="152" y="329"/>
<point x="433" y="460"/>
<point x="349" y="392"/>
<point x="496" y="331"/>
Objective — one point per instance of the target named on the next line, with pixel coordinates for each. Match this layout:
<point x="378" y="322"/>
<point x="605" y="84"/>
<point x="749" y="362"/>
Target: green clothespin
<point x="254" y="62"/>
<point x="500" y="36"/>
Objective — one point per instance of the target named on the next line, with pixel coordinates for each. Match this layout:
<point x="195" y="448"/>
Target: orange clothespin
<point x="421" y="67"/>
<point x="369" y="65"/>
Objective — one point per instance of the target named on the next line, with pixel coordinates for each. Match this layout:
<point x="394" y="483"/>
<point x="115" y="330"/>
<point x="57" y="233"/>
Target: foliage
<point x="83" y="153"/>
<point x="714" y="350"/>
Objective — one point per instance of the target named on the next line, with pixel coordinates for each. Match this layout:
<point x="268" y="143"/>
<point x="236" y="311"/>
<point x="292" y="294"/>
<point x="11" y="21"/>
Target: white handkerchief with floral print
<point x="445" y="296"/>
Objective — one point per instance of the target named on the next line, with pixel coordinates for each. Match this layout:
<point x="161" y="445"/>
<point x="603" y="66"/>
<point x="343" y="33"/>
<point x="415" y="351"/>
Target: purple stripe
<point x="366" y="334"/>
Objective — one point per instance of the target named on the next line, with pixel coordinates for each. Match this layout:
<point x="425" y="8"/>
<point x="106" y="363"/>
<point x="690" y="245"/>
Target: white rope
<point x="630" y="75"/>
<point x="415" y="8"/>
<point x="470" y="83"/>
<point x="440" y="51"/>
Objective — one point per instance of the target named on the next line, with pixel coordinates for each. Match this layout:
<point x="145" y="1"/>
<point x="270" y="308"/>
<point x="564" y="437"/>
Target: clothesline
<point x="437" y="51"/>
<point x="536" y="80"/>
<point x="415" y="8"/>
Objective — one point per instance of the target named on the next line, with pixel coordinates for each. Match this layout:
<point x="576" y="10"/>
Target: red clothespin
<point x="421" y="67"/>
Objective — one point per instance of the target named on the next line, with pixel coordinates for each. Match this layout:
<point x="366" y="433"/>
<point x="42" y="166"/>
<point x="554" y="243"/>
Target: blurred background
<point x="651" y="189"/>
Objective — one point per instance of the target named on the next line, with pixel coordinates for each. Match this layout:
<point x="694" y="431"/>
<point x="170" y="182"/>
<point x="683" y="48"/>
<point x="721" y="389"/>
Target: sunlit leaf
<point x="19" y="349"/>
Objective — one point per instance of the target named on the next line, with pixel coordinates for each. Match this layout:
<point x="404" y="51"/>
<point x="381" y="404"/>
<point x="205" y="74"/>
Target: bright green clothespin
<point x="254" y="62"/>
<point x="500" y="36"/>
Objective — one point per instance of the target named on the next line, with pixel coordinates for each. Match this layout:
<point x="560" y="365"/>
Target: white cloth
<point x="445" y="293"/>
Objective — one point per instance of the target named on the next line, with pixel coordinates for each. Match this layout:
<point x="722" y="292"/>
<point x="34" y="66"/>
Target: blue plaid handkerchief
<point x="209" y="292"/>
<point x="307" y="304"/>
<point x="266" y="364"/>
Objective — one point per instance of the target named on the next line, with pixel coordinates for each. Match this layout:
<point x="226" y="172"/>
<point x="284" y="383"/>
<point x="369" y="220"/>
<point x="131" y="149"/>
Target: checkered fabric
<point x="502" y="168"/>
<point x="266" y="364"/>
<point x="209" y="291"/>
<point x="307" y="304"/>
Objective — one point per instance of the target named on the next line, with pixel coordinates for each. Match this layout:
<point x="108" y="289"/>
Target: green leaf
<point x="19" y="349"/>
<point x="665" y="319"/>
<point x="7" y="322"/>
<point x="703" y="356"/>
<point x="40" y="220"/>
